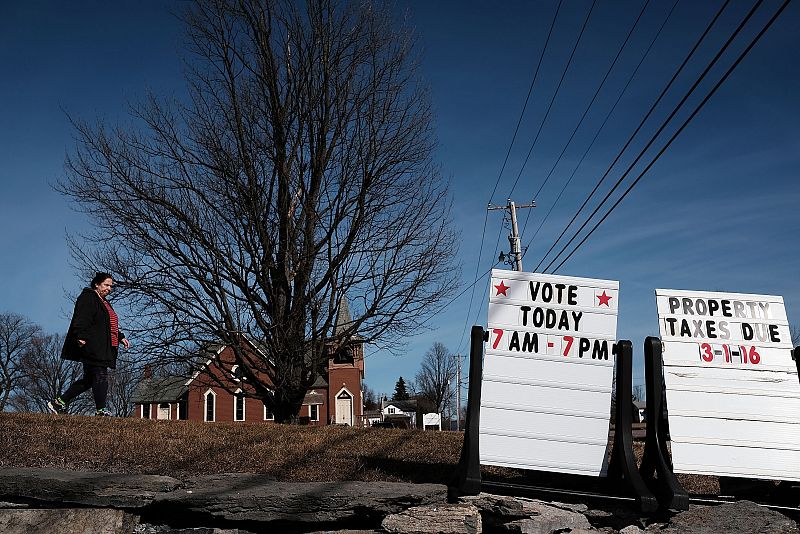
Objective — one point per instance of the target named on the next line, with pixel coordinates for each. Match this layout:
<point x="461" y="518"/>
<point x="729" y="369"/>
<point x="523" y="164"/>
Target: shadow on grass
<point x="410" y="471"/>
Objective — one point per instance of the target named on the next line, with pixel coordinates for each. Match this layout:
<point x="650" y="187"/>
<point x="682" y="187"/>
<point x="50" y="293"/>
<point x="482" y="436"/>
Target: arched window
<point x="238" y="406"/>
<point x="211" y="405"/>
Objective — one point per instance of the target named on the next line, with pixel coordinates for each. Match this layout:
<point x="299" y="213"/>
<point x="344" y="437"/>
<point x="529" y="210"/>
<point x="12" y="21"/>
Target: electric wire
<point x="661" y="129"/>
<point x="505" y="161"/>
<point x="682" y="127"/>
<point x="536" y="138"/>
<point x="555" y="94"/>
<point x="632" y="136"/>
<point x="452" y="300"/>
<point x="602" y="125"/>
<point x="588" y="108"/>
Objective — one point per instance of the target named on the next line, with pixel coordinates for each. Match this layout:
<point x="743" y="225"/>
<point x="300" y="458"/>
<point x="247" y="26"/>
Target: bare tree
<point x="122" y="383"/>
<point x="16" y="333"/>
<point x="370" y="398"/>
<point x="433" y="380"/>
<point x="44" y="375"/>
<point x="297" y="172"/>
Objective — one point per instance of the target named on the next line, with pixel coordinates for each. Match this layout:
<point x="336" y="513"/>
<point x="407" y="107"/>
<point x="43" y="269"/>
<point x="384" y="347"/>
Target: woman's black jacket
<point x="90" y="322"/>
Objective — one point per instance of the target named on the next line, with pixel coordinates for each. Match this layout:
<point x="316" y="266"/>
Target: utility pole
<point x="458" y="392"/>
<point x="514" y="239"/>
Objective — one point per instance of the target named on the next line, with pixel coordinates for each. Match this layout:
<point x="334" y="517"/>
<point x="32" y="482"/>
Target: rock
<point x="246" y="497"/>
<point x="4" y="504"/>
<point x="580" y="508"/>
<point x="164" y="529"/>
<point x="631" y="529"/>
<point x="442" y="519"/>
<point x="742" y="517"/>
<point x="547" y="518"/>
<point x="496" y="505"/>
<point x="86" y="488"/>
<point x="66" y="521"/>
<point x="537" y="526"/>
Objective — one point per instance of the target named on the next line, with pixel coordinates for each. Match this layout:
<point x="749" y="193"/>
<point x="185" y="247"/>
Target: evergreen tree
<point x="400" y="392"/>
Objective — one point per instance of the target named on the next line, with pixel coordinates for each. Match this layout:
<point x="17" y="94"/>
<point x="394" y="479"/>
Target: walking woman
<point x="93" y="339"/>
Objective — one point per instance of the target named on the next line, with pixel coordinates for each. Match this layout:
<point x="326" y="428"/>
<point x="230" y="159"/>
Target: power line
<point x="451" y="301"/>
<point x="550" y="106"/>
<point x="541" y="126"/>
<point x="686" y="122"/>
<point x="602" y="125"/>
<point x="661" y="129"/>
<point x="527" y="98"/>
<point x="629" y="141"/>
<point x="588" y="107"/>
<point x="505" y="161"/>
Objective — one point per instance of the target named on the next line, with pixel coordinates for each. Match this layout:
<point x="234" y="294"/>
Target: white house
<point x="403" y="413"/>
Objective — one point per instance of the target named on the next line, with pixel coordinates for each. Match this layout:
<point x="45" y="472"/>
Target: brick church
<point x="334" y="398"/>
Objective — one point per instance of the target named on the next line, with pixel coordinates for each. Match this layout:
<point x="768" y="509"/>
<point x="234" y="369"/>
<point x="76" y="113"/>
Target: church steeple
<point x="343" y="318"/>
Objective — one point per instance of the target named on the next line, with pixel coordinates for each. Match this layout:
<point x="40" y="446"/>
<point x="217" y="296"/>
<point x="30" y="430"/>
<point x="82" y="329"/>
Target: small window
<point x="313" y="412"/>
<point x="238" y="406"/>
<point x="390" y="410"/>
<point x="145" y="411"/>
<point x="211" y="398"/>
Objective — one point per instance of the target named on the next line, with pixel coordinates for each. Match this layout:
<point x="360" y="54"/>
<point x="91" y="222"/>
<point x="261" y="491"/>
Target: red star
<point x="501" y="288"/>
<point x="604" y="299"/>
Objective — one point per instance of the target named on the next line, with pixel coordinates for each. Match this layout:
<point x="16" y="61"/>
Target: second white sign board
<point x="733" y="396"/>
<point x="547" y="373"/>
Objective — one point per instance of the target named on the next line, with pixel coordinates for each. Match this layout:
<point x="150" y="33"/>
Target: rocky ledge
<point x="55" y="501"/>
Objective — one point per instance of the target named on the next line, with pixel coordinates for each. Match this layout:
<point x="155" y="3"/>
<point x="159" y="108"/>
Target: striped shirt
<point x="114" y="324"/>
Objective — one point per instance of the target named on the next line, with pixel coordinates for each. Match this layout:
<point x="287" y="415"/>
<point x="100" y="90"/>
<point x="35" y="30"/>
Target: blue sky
<point x="716" y="212"/>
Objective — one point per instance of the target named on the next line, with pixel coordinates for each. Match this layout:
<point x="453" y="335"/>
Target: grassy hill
<point x="290" y="453"/>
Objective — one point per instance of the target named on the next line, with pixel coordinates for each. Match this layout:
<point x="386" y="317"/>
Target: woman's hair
<point x="99" y="277"/>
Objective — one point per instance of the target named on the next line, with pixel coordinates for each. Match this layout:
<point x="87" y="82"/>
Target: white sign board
<point x="432" y="419"/>
<point x="733" y="396"/>
<point x="547" y="372"/>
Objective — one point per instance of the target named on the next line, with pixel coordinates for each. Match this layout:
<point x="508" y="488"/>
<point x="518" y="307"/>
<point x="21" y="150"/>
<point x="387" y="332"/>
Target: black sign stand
<point x="467" y="479"/>
<point x="623" y="461"/>
<point x="657" y="460"/>
<point x="796" y="356"/>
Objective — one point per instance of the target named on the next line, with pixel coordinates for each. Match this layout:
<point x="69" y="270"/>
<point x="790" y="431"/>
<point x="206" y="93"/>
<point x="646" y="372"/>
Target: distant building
<point x="334" y="398"/>
<point x="639" y="411"/>
<point x="402" y="413"/>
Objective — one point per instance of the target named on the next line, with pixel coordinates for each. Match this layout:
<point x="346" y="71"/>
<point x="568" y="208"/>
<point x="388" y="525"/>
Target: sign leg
<point x="467" y="479"/>
<point x="656" y="460"/>
<point x="623" y="461"/>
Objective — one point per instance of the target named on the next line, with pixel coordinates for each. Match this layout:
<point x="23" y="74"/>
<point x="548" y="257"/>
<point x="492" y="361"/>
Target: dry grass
<point x="290" y="453"/>
<point x="181" y="448"/>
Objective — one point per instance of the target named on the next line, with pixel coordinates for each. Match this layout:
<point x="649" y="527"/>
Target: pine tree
<point x="400" y="392"/>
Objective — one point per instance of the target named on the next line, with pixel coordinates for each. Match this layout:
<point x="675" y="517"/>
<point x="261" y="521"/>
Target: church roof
<point x="161" y="389"/>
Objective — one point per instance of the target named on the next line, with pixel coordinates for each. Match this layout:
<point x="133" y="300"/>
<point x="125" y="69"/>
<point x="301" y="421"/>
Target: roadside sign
<point x="733" y="396"/>
<point x="548" y="372"/>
